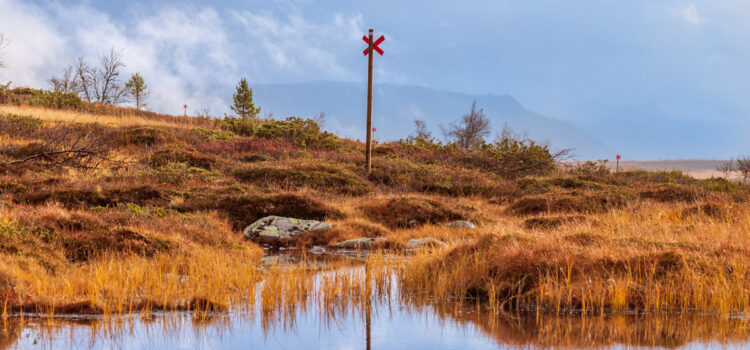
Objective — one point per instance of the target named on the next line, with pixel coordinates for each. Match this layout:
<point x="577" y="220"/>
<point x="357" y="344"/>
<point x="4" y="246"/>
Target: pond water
<point x="379" y="320"/>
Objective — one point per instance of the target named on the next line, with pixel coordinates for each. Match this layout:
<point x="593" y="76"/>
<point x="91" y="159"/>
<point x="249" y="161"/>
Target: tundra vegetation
<point x="113" y="210"/>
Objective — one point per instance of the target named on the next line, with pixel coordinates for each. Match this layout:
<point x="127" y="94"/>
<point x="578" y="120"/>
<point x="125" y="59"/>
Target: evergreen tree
<point x="243" y="101"/>
<point x="137" y="88"/>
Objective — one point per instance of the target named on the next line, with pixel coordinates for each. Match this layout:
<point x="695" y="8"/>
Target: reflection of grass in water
<point x="344" y="289"/>
<point x="341" y="293"/>
<point x="650" y="330"/>
<point x="653" y="258"/>
<point x="340" y="289"/>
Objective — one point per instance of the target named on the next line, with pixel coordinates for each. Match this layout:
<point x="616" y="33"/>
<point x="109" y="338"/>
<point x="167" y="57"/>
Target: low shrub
<point x="91" y="198"/>
<point x="16" y="125"/>
<point x="671" y="193"/>
<point x="88" y="245"/>
<point x="180" y="173"/>
<point x="710" y="209"/>
<point x="408" y="212"/>
<point x="141" y="136"/>
<point x="213" y="135"/>
<point x="546" y="223"/>
<point x="326" y="177"/>
<point x="180" y="155"/>
<point x="277" y="149"/>
<point x="592" y="203"/>
<point x="24" y="151"/>
<point x="243" y="210"/>
<point x="301" y="132"/>
<point x="41" y="98"/>
<point x="403" y="175"/>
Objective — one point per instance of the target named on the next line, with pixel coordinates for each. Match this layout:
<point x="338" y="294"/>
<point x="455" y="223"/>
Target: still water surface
<point x="391" y="321"/>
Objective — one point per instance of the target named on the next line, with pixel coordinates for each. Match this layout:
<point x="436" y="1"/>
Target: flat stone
<point x="360" y="243"/>
<point x="463" y="224"/>
<point x="419" y="243"/>
<point x="272" y="229"/>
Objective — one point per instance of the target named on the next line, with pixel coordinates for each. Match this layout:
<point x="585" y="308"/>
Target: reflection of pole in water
<point x="368" y="306"/>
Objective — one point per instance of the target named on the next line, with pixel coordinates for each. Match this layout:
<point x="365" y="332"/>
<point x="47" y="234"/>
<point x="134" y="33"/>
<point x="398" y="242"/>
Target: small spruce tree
<point x="137" y="88"/>
<point x="243" y="101"/>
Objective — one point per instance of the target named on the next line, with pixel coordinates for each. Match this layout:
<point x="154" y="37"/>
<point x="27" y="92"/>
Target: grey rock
<point x="360" y="243"/>
<point x="463" y="224"/>
<point x="317" y="250"/>
<point x="272" y="229"/>
<point x="419" y="243"/>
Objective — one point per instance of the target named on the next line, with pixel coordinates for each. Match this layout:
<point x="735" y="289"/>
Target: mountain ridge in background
<point x="396" y="106"/>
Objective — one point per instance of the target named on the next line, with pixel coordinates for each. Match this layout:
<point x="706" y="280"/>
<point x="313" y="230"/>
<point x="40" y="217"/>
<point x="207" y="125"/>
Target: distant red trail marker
<point x="375" y="46"/>
<point x="617" y="169"/>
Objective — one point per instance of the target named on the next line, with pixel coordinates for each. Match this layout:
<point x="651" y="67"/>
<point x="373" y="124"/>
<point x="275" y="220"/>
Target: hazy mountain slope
<point x="396" y="106"/>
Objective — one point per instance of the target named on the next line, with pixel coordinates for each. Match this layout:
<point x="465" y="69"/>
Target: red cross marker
<point x="375" y="47"/>
<point x="372" y="47"/>
<point x="619" y="157"/>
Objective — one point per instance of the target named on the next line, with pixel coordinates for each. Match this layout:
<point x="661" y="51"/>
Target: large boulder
<point x="275" y="229"/>
<point x="362" y="243"/>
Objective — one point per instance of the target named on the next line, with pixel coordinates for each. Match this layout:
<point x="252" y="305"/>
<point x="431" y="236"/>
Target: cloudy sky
<point x="645" y="72"/>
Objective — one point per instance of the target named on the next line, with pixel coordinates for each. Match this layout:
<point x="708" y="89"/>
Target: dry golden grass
<point x="65" y="116"/>
<point x="650" y="257"/>
<point x="75" y="236"/>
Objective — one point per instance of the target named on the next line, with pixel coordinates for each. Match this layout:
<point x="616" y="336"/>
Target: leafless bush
<point x="320" y="120"/>
<point x="420" y="128"/>
<point x="507" y="133"/>
<point x="727" y="167"/>
<point x="471" y="130"/>
<point x="743" y="166"/>
<point x="3" y="45"/>
<point x="203" y="113"/>
<point x="65" y="147"/>
<point x="67" y="82"/>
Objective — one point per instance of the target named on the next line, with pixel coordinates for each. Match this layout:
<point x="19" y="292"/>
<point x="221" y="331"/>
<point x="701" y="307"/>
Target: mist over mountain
<point x="396" y="106"/>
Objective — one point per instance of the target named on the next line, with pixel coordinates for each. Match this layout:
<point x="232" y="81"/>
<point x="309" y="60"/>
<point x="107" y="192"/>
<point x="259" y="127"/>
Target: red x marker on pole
<point x="372" y="47"/>
<point x="375" y="46"/>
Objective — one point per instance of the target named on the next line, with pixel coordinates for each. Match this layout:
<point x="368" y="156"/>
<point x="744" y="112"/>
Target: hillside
<point x="114" y="210"/>
<point x="399" y="105"/>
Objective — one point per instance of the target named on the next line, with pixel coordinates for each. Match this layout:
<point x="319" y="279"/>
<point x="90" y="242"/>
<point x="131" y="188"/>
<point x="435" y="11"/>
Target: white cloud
<point x="32" y="43"/>
<point x="183" y="53"/>
<point x="297" y="45"/>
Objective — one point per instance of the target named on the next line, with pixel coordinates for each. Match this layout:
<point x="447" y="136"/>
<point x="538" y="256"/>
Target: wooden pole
<point x="368" y="150"/>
